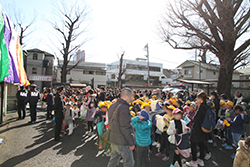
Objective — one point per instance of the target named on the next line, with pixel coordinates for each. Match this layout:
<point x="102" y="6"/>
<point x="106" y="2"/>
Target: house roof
<point x="40" y="51"/>
<point x="208" y="66"/>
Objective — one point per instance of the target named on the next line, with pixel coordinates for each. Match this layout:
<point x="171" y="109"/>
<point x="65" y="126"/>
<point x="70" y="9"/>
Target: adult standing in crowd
<point x="122" y="141"/>
<point x="102" y="95"/>
<point x="58" y="107"/>
<point x="33" y="97"/>
<point x="197" y="136"/>
<point x="49" y="100"/>
<point x="21" y="96"/>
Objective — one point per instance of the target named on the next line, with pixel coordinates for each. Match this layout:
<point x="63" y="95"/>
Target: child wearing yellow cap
<point x="229" y="114"/>
<point x="165" y="144"/>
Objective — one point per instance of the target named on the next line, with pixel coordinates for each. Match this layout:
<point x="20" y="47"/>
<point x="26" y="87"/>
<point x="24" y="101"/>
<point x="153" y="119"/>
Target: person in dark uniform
<point x="58" y="108"/>
<point x="49" y="100"/>
<point x="33" y="97"/>
<point x="21" y="96"/>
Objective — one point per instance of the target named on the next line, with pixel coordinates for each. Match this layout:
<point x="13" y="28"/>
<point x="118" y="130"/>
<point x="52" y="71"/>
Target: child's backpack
<point x="209" y="121"/>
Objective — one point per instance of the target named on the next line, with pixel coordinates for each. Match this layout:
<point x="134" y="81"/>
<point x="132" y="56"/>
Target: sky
<point x="114" y="26"/>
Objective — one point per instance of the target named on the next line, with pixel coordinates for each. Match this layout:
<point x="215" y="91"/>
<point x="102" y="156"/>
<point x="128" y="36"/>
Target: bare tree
<point x="69" y="20"/>
<point x="221" y="24"/>
<point x="21" y="24"/>
<point x="122" y="70"/>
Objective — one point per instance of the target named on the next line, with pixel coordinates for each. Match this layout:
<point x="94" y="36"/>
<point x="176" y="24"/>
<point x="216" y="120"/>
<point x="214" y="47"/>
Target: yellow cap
<point x="171" y="107"/>
<point x="102" y="104"/>
<point x="144" y="105"/>
<point x="222" y="102"/>
<point x="188" y="102"/>
<point x="230" y="103"/>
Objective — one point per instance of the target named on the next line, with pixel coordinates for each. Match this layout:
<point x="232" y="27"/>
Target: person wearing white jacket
<point x="177" y="125"/>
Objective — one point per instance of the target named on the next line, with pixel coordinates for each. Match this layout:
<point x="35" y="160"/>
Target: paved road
<point x="33" y="145"/>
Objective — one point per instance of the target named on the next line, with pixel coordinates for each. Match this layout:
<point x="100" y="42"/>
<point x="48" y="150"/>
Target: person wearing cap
<point x="190" y="114"/>
<point x="165" y="145"/>
<point x="176" y="126"/>
<point x="142" y="125"/>
<point x="21" y="96"/>
<point x="49" y="100"/>
<point x="146" y="107"/>
<point x="59" y="115"/>
<point x="215" y="99"/>
<point x="229" y="114"/>
<point x="33" y="97"/>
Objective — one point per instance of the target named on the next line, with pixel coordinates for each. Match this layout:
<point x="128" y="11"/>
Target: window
<point x="100" y="73"/>
<point x="34" y="56"/>
<point x="201" y="71"/>
<point x="34" y="70"/>
<point x="68" y="72"/>
<point x="214" y="73"/>
<point x="156" y="69"/>
<point x="113" y="76"/>
<point x="88" y="72"/>
<point x="187" y="72"/>
<point x="135" y="77"/>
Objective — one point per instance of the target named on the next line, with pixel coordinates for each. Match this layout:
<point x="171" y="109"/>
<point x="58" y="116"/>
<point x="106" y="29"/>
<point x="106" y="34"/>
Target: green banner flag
<point x="4" y="58"/>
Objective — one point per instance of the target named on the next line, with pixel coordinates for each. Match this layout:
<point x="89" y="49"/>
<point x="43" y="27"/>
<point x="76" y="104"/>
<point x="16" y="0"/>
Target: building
<point x="136" y="73"/>
<point x="198" y="71"/>
<point x="85" y="73"/>
<point x="245" y="75"/>
<point x="40" y="67"/>
<point x="169" y="75"/>
<point x="79" y="56"/>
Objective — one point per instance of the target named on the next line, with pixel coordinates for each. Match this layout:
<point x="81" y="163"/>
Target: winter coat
<point x="58" y="107"/>
<point x="33" y="97"/>
<point x="171" y="133"/>
<point x="142" y="131"/>
<point x="242" y="157"/>
<point x="238" y="123"/>
<point x="90" y="116"/>
<point x="121" y="129"/>
<point x="197" y="135"/>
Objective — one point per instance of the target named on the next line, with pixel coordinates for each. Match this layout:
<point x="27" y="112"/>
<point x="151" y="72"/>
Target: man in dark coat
<point x="33" y="97"/>
<point x="21" y="96"/>
<point x="121" y="138"/>
<point x="49" y="100"/>
<point x="197" y="136"/>
<point x="58" y="108"/>
<point x="102" y="95"/>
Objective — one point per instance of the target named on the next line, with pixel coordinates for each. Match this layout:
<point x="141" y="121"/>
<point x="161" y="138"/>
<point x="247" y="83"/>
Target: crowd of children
<point x="160" y="118"/>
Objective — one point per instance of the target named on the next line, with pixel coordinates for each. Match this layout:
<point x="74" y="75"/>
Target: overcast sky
<point x="115" y="25"/>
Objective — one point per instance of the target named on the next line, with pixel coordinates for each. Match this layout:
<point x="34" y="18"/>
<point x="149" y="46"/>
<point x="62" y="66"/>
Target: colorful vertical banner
<point x="4" y="57"/>
<point x="11" y="62"/>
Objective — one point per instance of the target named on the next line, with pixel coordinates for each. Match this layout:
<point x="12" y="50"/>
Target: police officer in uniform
<point x="49" y="100"/>
<point x="21" y="96"/>
<point x="33" y="97"/>
<point x="58" y="108"/>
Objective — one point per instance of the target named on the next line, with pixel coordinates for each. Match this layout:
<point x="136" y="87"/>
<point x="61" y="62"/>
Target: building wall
<point x="113" y="69"/>
<point x="79" y="77"/>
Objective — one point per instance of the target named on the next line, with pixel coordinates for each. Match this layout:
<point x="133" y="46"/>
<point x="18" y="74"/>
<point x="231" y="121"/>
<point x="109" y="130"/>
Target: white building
<point x="84" y="73"/>
<point x="136" y="73"/>
<point x="194" y="70"/>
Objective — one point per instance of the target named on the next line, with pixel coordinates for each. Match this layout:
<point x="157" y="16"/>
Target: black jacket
<point x="33" y="97"/>
<point x="121" y="128"/>
<point x="22" y="96"/>
<point x="101" y="96"/>
<point x="197" y="135"/>
<point x="58" y="107"/>
<point x="49" y="99"/>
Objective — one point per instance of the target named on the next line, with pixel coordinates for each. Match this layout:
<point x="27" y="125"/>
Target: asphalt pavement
<point x="28" y="145"/>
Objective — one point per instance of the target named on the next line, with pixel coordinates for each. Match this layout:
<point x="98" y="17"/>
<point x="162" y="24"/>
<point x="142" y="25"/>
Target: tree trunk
<point x="225" y="78"/>
<point x="63" y="75"/>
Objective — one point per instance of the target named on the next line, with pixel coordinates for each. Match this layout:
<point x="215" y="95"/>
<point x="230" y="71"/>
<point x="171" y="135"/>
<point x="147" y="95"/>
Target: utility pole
<point x="146" y="48"/>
